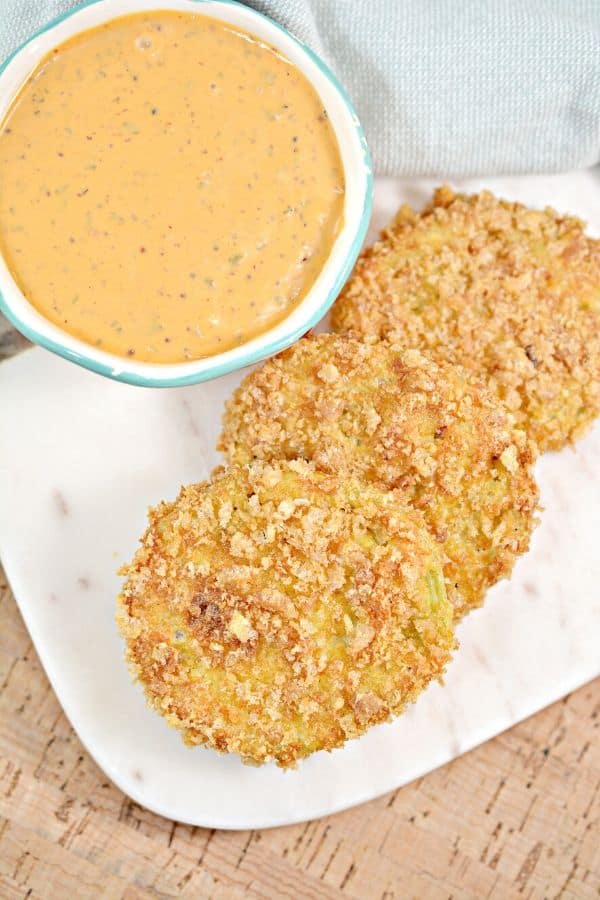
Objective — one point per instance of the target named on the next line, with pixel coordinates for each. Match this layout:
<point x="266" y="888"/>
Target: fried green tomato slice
<point x="277" y="610"/>
<point x="509" y="292"/>
<point x="398" y="419"/>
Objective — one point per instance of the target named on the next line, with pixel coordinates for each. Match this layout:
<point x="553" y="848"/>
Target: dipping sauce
<point x="170" y="187"/>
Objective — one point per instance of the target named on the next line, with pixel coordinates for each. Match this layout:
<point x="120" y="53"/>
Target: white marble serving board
<point x="81" y="458"/>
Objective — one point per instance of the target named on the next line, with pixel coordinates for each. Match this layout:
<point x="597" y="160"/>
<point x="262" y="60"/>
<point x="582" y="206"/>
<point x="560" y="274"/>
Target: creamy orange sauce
<point x="169" y="187"/>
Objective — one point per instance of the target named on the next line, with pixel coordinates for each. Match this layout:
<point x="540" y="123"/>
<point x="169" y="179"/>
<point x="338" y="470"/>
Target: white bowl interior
<point x="353" y="152"/>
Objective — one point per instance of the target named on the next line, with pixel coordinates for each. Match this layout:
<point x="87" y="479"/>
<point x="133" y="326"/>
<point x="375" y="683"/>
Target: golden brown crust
<point x="510" y="292"/>
<point x="396" y="418"/>
<point x="278" y="610"/>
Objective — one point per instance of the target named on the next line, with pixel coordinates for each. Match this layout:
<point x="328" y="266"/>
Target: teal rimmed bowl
<point x="357" y="206"/>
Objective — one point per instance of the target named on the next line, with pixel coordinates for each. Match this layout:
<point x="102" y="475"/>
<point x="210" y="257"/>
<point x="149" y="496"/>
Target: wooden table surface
<point x="518" y="817"/>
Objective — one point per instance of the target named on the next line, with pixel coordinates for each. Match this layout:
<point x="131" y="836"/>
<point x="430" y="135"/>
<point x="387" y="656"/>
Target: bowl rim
<point x="148" y="374"/>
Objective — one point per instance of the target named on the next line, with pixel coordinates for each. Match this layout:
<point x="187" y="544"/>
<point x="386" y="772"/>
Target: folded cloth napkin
<point x="443" y="88"/>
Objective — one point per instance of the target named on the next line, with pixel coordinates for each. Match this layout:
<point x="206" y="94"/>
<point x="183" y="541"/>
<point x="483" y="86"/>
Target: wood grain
<point x="518" y="817"/>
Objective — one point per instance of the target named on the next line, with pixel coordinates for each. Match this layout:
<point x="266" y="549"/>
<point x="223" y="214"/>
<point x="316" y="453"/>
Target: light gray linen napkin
<point x="447" y="88"/>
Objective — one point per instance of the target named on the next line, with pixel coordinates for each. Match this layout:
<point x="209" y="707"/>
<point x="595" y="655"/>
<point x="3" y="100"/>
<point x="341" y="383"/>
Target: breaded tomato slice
<point x="509" y="292"/>
<point x="396" y="418"/>
<point x="277" y="610"/>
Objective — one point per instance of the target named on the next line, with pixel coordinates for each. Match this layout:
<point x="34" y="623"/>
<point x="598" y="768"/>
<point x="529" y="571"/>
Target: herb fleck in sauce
<point x="169" y="187"/>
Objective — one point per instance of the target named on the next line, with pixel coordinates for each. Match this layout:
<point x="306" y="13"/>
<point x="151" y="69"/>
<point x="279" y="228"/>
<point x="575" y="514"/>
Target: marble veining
<point x="81" y="458"/>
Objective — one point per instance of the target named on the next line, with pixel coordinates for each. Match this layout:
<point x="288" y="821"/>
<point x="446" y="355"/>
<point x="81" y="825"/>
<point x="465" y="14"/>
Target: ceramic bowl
<point x="357" y="207"/>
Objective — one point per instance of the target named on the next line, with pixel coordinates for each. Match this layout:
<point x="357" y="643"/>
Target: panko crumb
<point x="278" y="610"/>
<point x="511" y="293"/>
<point x="398" y="419"/>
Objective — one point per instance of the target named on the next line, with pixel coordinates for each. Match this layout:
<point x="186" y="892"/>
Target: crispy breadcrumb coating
<point x="396" y="418"/>
<point x="276" y="610"/>
<point x="512" y="293"/>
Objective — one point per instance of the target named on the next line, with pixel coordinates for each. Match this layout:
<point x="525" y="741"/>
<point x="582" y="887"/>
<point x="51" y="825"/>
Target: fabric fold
<point x="443" y="89"/>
